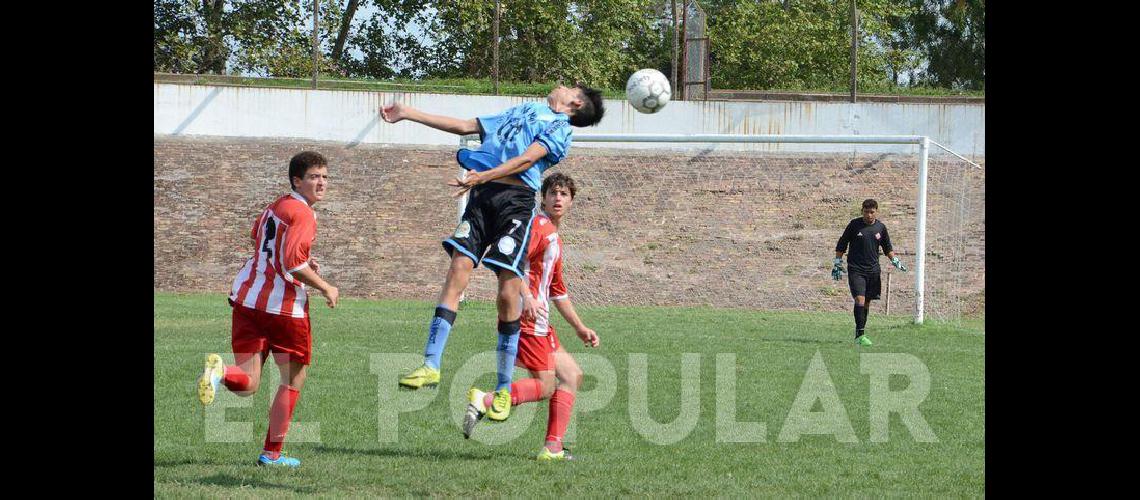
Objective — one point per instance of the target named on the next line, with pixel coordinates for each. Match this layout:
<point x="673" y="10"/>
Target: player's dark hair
<point x="559" y="179"/>
<point x="869" y="203"/>
<point x="302" y="162"/>
<point x="592" y="110"/>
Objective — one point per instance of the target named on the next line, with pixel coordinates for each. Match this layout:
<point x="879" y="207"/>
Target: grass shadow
<point x="434" y="454"/>
<point x="227" y="480"/>
<point x="807" y="341"/>
<point x="900" y="326"/>
<point x="192" y="461"/>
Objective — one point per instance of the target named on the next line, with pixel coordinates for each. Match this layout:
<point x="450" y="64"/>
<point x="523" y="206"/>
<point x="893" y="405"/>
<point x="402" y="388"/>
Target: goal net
<point x="719" y="223"/>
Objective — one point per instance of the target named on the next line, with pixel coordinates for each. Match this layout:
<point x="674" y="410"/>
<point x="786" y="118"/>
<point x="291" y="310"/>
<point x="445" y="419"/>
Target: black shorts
<point x="868" y="285"/>
<point x="496" y="223"/>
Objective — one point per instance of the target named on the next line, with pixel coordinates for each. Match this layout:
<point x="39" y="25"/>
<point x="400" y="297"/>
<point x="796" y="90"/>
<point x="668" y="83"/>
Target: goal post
<point x="922" y="143"/>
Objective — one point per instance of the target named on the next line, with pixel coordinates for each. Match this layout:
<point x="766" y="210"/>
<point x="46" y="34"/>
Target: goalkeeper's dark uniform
<point x="863" y="272"/>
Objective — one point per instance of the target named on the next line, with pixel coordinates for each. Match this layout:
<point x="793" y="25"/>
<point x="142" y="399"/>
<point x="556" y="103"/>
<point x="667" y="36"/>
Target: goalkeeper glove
<point x="837" y="269"/>
<point x="898" y="264"/>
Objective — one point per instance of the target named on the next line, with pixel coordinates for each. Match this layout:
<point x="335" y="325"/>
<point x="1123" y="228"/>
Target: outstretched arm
<point x="395" y="112"/>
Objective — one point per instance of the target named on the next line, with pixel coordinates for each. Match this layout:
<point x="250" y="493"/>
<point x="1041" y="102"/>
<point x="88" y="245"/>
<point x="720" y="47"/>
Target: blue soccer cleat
<point x="282" y="460"/>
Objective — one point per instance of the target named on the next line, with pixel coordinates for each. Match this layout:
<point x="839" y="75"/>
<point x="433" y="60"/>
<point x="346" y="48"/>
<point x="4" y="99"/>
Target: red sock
<point x="561" y="405"/>
<point x="236" y="379"/>
<point x="523" y="391"/>
<point x="279" y="416"/>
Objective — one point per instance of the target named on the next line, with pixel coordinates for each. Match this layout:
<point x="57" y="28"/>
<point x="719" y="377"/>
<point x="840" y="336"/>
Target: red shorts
<point x="289" y="338"/>
<point x="537" y="353"/>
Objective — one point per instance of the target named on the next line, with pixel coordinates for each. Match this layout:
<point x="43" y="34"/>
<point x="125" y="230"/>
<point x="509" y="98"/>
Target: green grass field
<point x="348" y="393"/>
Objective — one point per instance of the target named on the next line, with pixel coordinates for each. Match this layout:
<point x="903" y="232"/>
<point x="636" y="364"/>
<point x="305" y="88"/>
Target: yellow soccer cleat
<point x="424" y="376"/>
<point x="546" y="456"/>
<point x="211" y="376"/>
<point x="500" y="406"/>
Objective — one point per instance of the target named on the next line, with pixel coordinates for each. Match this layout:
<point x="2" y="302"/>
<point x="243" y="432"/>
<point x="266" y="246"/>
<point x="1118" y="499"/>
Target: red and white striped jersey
<point x="282" y="238"/>
<point x="544" y="274"/>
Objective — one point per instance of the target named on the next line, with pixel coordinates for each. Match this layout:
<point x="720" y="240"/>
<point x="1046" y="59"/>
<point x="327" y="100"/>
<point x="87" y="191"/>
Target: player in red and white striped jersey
<point x="544" y="276"/>
<point x="554" y="372"/>
<point x="271" y="306"/>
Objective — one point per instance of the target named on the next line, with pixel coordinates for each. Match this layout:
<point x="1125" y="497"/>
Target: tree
<point x="260" y="37"/>
<point x="797" y="45"/>
<point x="598" y="42"/>
<point x="176" y="38"/>
<point x="190" y="36"/>
<point x="345" y="24"/>
<point x="216" y="50"/>
<point x="767" y="44"/>
<point x="952" y="33"/>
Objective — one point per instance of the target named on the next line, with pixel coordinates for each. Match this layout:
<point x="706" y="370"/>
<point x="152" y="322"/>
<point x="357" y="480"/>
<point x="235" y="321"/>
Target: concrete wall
<point x="351" y="117"/>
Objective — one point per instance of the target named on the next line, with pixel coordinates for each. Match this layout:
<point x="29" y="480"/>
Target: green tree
<point x="950" y="35"/>
<point x="342" y="32"/>
<point x="598" y="42"/>
<point x="803" y="44"/>
<point x="189" y="36"/>
<point x="786" y="44"/>
<point x="261" y="37"/>
<point x="384" y="41"/>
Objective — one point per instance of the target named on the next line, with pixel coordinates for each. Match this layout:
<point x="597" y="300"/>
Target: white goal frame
<point x="923" y="142"/>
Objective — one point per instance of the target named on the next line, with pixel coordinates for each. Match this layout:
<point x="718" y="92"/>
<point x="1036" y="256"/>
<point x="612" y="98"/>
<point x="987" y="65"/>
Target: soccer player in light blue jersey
<point x="503" y="177"/>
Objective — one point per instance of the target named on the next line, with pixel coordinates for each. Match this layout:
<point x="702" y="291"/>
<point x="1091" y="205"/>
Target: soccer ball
<point x="648" y="90"/>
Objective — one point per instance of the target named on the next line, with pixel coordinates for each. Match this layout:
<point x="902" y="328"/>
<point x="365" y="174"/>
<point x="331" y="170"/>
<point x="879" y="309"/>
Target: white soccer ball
<point x="648" y="90"/>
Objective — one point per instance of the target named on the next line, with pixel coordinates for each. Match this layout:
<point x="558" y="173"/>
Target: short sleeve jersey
<point x="544" y="274"/>
<point x="865" y="240"/>
<point x="282" y="236"/>
<point x="509" y="134"/>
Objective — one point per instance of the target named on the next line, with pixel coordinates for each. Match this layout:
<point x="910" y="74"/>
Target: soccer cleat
<point x="500" y="406"/>
<point x="211" y="376"/>
<point x="475" y="411"/>
<point x="546" y="456"/>
<point x="282" y="460"/>
<point x="424" y="376"/>
<point x="863" y="341"/>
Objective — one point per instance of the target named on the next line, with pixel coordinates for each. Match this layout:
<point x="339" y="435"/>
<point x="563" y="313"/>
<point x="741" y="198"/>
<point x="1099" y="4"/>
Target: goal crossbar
<point x="753" y="138"/>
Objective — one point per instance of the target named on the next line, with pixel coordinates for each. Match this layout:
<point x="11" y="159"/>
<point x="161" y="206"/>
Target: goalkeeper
<point x="865" y="235"/>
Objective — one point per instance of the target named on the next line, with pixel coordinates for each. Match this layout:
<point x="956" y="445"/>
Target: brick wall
<point x="649" y="227"/>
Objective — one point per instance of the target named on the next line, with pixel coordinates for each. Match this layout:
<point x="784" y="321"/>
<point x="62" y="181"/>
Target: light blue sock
<point x="508" y="349"/>
<point x="437" y="335"/>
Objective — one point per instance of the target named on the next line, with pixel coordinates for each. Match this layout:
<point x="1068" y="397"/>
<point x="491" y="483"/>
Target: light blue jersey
<point x="508" y="134"/>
